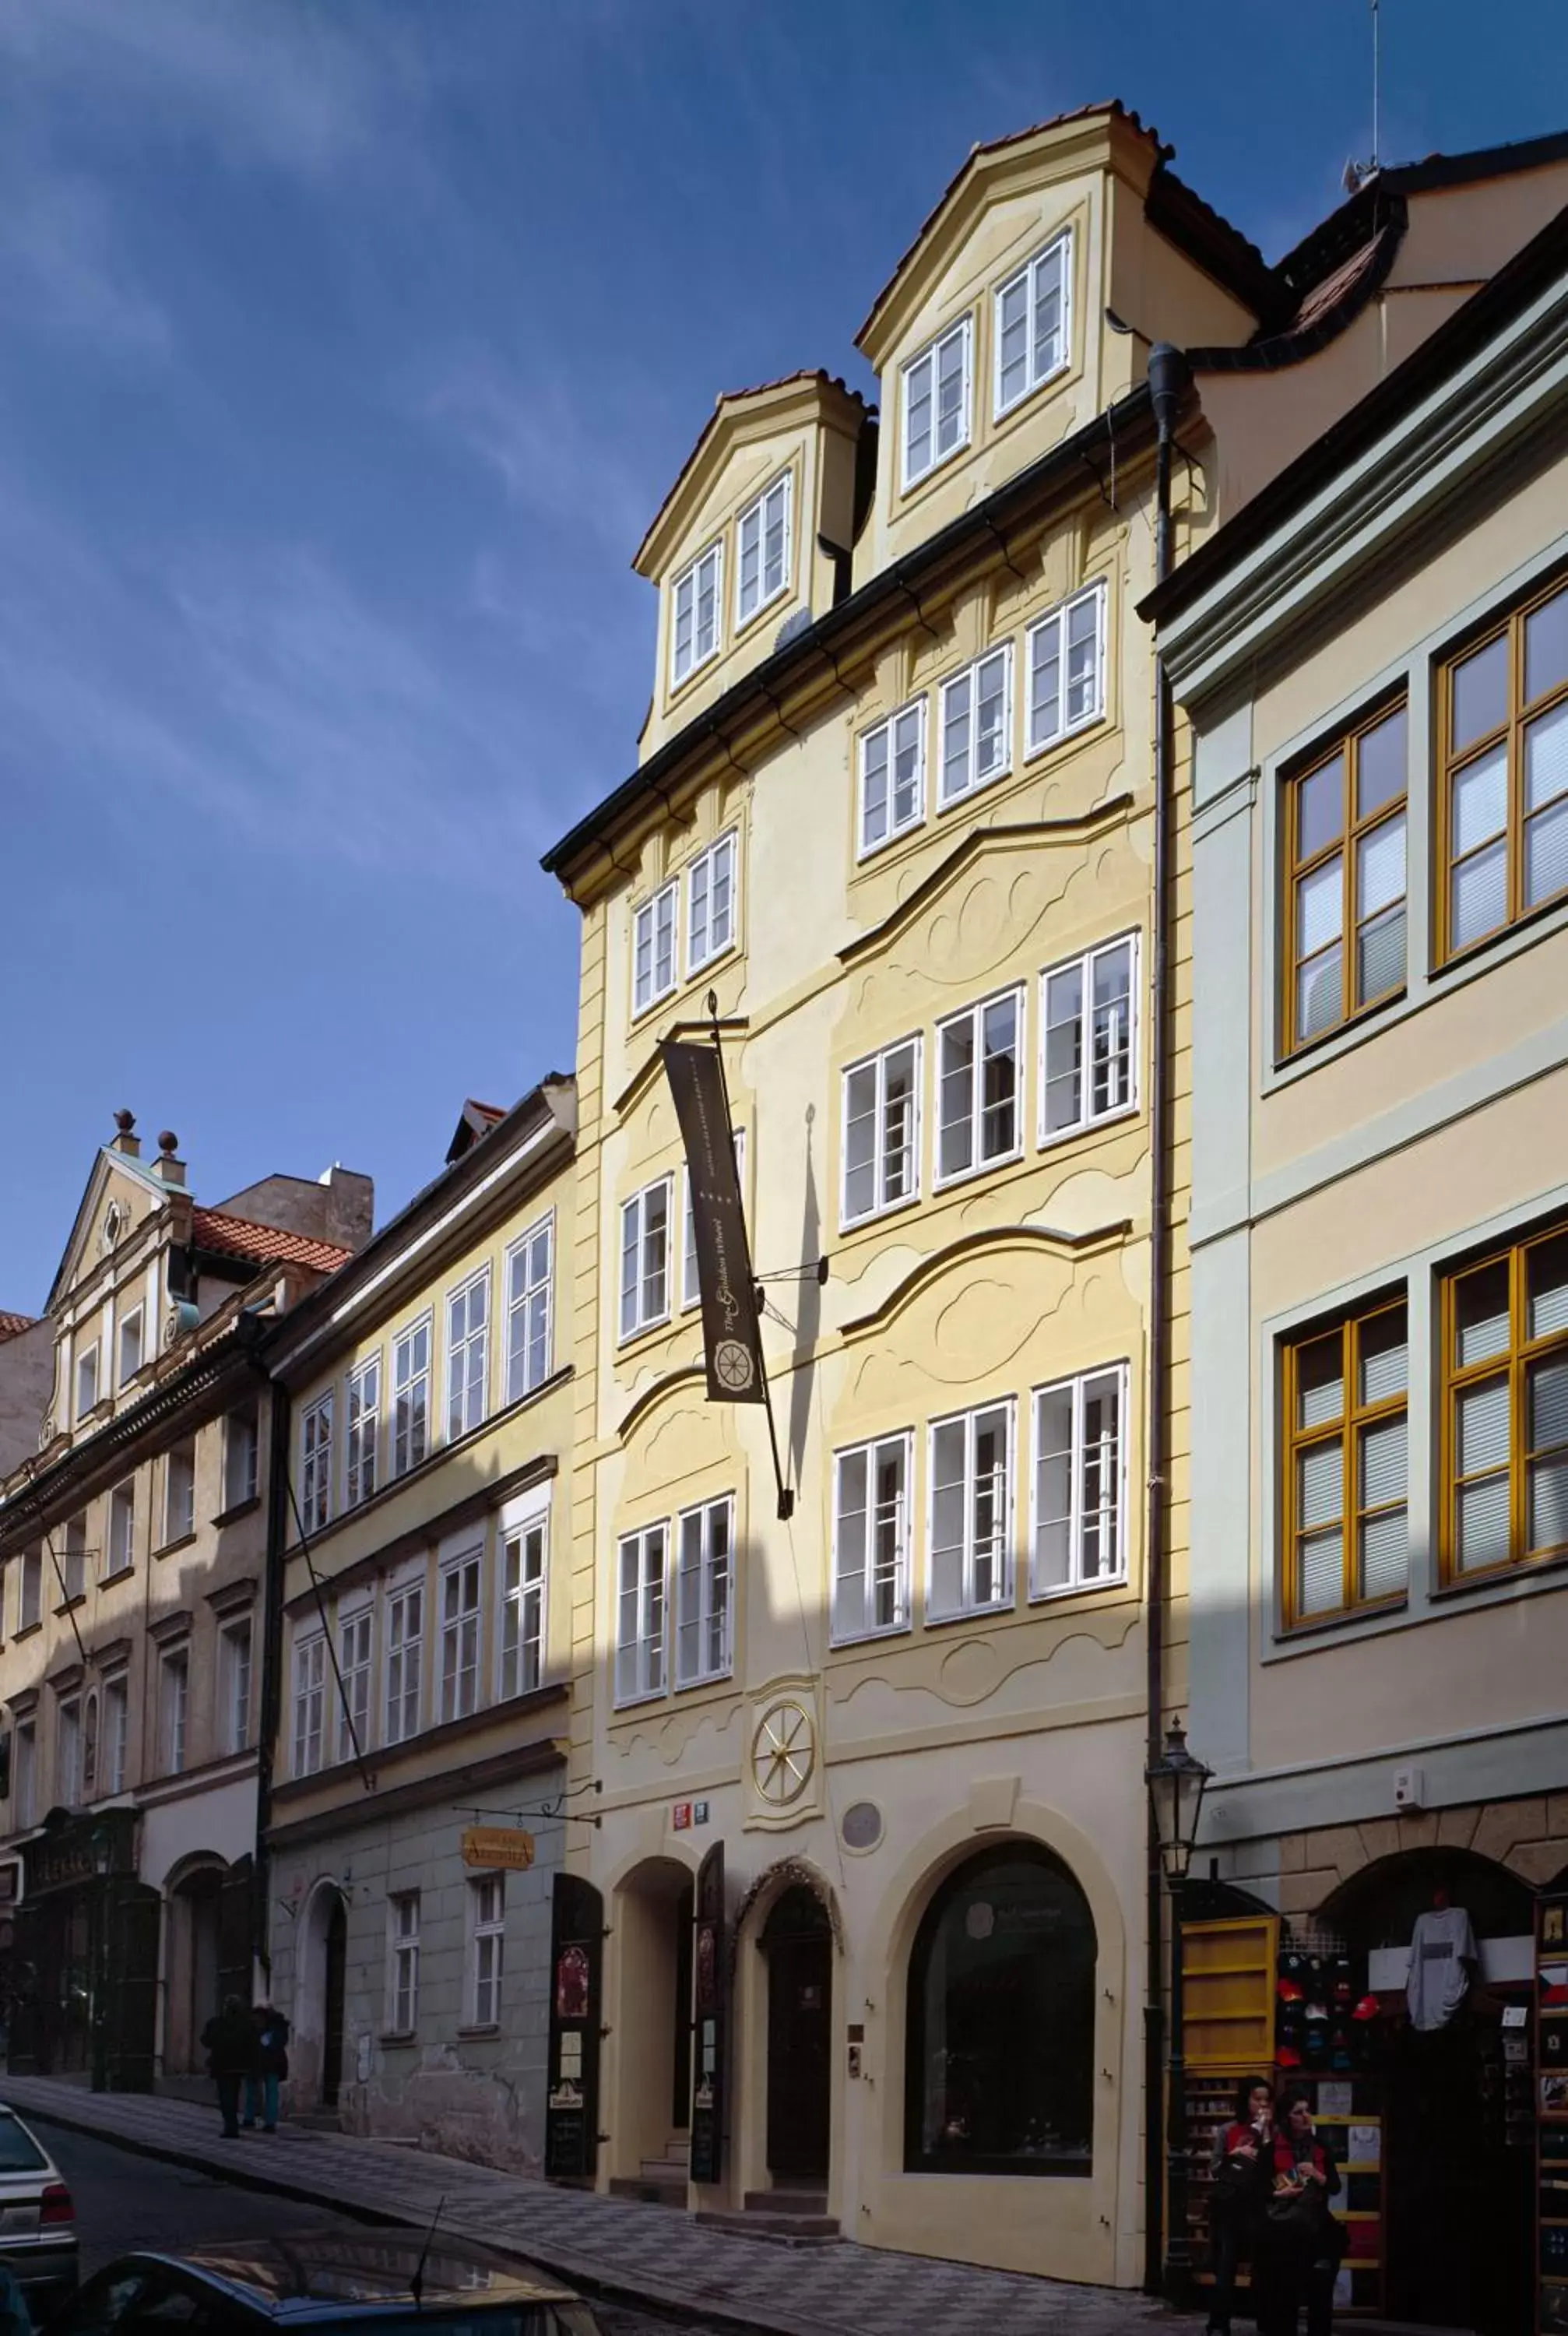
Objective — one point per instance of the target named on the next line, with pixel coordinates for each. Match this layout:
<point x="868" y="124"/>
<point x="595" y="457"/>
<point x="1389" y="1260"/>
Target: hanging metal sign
<point x="489" y="1847"/>
<point x="731" y="1338"/>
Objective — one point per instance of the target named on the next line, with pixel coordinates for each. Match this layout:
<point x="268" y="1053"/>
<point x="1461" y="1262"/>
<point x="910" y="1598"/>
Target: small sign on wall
<point x="489" y="1847"/>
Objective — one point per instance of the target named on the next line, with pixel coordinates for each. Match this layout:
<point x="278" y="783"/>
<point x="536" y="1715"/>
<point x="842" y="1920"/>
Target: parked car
<point x="383" y="2282"/>
<point x="37" y="2218"/>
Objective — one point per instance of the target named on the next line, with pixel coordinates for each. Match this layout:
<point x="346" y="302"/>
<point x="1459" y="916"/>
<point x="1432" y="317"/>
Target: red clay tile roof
<point x="13" y="1325"/>
<point x="242" y="1237"/>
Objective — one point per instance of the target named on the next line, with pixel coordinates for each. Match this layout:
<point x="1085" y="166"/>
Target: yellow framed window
<point x="1345" y="847"/>
<point x="1502" y="742"/>
<point x="1346" y="1472"/>
<point x="1505" y="1408"/>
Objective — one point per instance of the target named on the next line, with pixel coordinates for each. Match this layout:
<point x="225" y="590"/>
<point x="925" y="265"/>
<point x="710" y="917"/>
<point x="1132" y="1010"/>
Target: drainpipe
<point x="1168" y="378"/>
<point x="271" y="1663"/>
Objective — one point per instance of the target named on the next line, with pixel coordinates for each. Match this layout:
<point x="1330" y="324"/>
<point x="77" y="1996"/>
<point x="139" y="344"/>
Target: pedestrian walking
<point x="1238" y="2194"/>
<point x="1299" y="2241"/>
<point x="271" y="2067"/>
<point x="230" y="2041"/>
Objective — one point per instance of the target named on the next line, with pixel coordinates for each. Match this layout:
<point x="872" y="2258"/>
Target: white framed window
<point x="762" y="548"/>
<point x="639" y="1614"/>
<point x="234" y="1686"/>
<point x="180" y="1491"/>
<point x="487" y="1948"/>
<point x="881" y="1135"/>
<point x="873" y="1487"/>
<point x="74" y="1557"/>
<point x="411" y="1396"/>
<point x="403" y="1962"/>
<point x="1033" y="322"/>
<point x="1088" y="1038"/>
<point x="710" y="903"/>
<point x="653" y="958"/>
<point x="404" y="1661"/>
<point x="695" y="598"/>
<point x="893" y="777"/>
<point x="241" y="1457"/>
<point x="467" y="1354"/>
<point x="86" y="1380"/>
<point x="971" y="1505"/>
<point x="976" y="727"/>
<point x="690" y="1291"/>
<point x="1080" y="1499"/>
<point x="936" y="387"/>
<point x="523" y="1548"/>
<point x="30" y="1590"/>
<point x="530" y="1307"/>
<point x="364" y="1430"/>
<point x="174" y="1685"/>
<point x="68" y="1753"/>
<point x="122" y="1528"/>
<point x="980" y="1087"/>
<point x="132" y="1344"/>
<point x="309" y="1702"/>
<point x="460" y="1634"/>
<point x="24" y="1778"/>
<point x="1067" y="669"/>
<point x="116" y="1732"/>
<point x="703" y="1580"/>
<point x="316" y="1446"/>
<point x="644" y="1258"/>
<point x="355" y="1639"/>
<point x="90" y="1748"/>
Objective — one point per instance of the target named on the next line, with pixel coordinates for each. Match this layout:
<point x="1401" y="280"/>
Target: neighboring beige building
<point x="134" y="1548"/>
<point x="426" y="1627"/>
<point x="1373" y="658"/>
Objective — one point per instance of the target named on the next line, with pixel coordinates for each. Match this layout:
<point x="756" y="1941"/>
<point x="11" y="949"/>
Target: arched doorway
<point x="316" y="2051"/>
<point x="332" y="2026"/>
<point x="193" y="1971"/>
<point x="652" y="2027"/>
<point x="797" y="1944"/>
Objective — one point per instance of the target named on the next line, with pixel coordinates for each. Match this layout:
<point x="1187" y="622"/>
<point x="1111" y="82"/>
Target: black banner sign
<point x="572" y="2099"/>
<point x="731" y="1334"/>
<point x="710" y="2005"/>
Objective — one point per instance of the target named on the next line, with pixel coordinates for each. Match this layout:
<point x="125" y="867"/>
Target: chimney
<point x="166" y="1165"/>
<point x="127" y="1140"/>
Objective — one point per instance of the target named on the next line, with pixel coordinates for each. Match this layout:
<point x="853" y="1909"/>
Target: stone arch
<point x="647" y="2070"/>
<point x="785" y="1873"/>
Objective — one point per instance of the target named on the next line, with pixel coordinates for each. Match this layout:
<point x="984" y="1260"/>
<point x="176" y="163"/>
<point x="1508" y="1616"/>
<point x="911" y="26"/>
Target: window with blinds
<point x="1345" y="878"/>
<point x="1347" y="1471"/>
<point x="1505" y="1441"/>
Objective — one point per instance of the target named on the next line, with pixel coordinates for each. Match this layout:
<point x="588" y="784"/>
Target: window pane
<point x="951" y="392"/>
<point x="1384" y="1476"/>
<point x="1082" y="658"/>
<point x="849" y="1588"/>
<point x="956" y="737"/>
<point x="1100" y="1502"/>
<point x="990" y="728"/>
<point x="1481" y="1313"/>
<point x="1479" y="698"/>
<point x="1546" y="854"/>
<point x="1054" y="1489"/>
<point x="1546" y="1286"/>
<point x="1380" y="868"/>
<point x="1385" y="1554"/>
<point x="956" y="1144"/>
<point x="1381" y="765"/>
<point x="1480" y="802"/>
<point x="999" y="1121"/>
<point x="899" y="1125"/>
<point x="1547" y="797"/>
<point x="1478" y="902"/>
<point x="887" y="1585"/>
<point x="1048" y="312"/>
<point x="874" y="788"/>
<point x="1319" y="993"/>
<point x="1320" y="908"/>
<point x="1064" y="1048"/>
<point x="1319" y="1381"/>
<point x="1483" y="1413"/>
<point x="1113" y="1052"/>
<point x="860" y="1140"/>
<point x="1384" y="1364"/>
<point x="1320" y="808"/>
<point x="1319" y="1485"/>
<point x="907" y="761"/>
<point x="1380" y="955"/>
<point x="918" y="416"/>
<point x="1013" y="320"/>
<point x="948" y="1518"/>
<point x="1548" y="1389"/>
<point x="1546" y="648"/>
<point x="1484" y="1524"/>
<point x="1320" y="1586"/>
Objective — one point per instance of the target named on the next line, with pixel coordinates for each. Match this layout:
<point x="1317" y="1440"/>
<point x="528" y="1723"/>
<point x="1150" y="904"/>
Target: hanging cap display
<point x="1288" y="2057"/>
<point x="1289" y="1993"/>
<point x="1317" y="2012"/>
<point x="1368" y="2008"/>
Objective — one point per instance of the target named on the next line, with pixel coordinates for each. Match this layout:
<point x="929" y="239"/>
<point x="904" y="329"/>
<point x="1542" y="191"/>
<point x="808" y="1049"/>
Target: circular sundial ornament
<point x="733" y="1363"/>
<point x="784" y="1753"/>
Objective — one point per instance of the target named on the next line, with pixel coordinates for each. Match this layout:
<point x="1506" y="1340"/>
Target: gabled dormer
<point x="756" y="533"/>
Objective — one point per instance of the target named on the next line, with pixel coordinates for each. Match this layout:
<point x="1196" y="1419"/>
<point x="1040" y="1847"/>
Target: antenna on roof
<point x="1357" y="173"/>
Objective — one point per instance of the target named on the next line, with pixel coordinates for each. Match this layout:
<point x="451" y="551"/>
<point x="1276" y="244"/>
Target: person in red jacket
<point x="1239" y="2189"/>
<point x="1301" y="2243"/>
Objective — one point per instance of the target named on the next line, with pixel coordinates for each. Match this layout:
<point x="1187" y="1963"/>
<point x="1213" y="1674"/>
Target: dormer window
<point x="694" y="636"/>
<point x="936" y="402"/>
<point x="762" y="549"/>
<point x="1031" y="324"/>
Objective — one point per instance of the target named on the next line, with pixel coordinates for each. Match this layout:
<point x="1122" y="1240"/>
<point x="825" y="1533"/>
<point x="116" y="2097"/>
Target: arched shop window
<point x="999" y="2066"/>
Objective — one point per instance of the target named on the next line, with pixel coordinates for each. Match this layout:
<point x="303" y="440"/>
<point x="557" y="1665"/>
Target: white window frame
<point x="362" y="1445"/>
<point x="68" y="1751"/>
<point x="634" y="1212"/>
<point x="690" y="1288"/>
<point x="465" y="1410"/>
<point x="133" y="1319"/>
<point x="122" y="1503"/>
<point x="641" y="1659"/>
<point x="114" y="1731"/>
<point x="724" y="848"/>
<point x="1005" y="1597"/>
<point x="980" y="1164"/>
<point x="460" y="1621"/>
<point x="842" y="1634"/>
<point x="1053" y="631"/>
<point x="877" y="1064"/>
<point x="235" y="1648"/>
<point x="968" y="678"/>
<point x="1084" y="966"/>
<point x="308" y="1706"/>
<point x="179" y="1525"/>
<point x="486" y="1949"/>
<point x="88" y="1359"/>
<point x="657" y="918"/>
<point x="356" y="1668"/>
<point x="403" y="1652"/>
<point x="758" y="510"/>
<point x="174" y="1708"/>
<point x="691" y="574"/>
<point x="1076" y="1387"/>
<point x="403" y="1962"/>
<point x="405" y="1383"/>
<point x="1037" y="375"/>
<point x="915" y="714"/>
<point x="241" y="1488"/>
<point x="520" y="1638"/>
<point x="317" y="1443"/>
<point x="30" y="1589"/>
<point x="704" y="1592"/>
<point x="962" y="330"/>
<point x="530" y="1307"/>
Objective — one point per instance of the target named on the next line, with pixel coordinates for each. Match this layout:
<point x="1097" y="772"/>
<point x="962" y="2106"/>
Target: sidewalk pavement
<point x="614" y="2248"/>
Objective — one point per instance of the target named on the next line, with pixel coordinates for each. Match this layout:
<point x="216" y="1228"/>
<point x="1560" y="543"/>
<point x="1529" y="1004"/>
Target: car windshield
<point x="19" y="2152"/>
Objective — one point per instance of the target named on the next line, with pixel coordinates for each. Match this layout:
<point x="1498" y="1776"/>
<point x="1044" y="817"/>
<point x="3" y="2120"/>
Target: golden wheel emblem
<point x="784" y="1754"/>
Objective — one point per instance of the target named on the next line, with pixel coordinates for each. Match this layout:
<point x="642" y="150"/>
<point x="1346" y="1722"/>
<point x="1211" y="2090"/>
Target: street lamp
<point x="1176" y="1782"/>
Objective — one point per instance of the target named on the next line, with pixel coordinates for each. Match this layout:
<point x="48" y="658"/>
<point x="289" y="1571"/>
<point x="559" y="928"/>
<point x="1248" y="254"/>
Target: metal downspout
<point x="271" y="1662"/>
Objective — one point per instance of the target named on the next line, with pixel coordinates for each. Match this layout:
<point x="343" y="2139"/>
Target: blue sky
<point x="349" y="346"/>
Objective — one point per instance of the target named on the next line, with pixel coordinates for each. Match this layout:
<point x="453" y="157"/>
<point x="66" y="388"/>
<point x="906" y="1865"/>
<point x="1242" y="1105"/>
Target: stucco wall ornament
<point x="784" y="1753"/>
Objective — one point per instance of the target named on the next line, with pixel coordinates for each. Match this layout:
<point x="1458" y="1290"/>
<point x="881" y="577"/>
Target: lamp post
<point x="1176" y="1781"/>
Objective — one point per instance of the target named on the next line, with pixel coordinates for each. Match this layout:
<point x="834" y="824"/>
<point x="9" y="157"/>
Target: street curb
<point x="594" y="2280"/>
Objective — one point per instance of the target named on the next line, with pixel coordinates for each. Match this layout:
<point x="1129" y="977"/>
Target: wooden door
<point x="798" y="1945"/>
<point x="332" y="2025"/>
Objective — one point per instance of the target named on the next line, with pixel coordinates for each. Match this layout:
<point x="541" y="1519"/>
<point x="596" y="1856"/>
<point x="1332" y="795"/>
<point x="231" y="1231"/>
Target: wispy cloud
<point x="60" y="256"/>
<point x="533" y="431"/>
